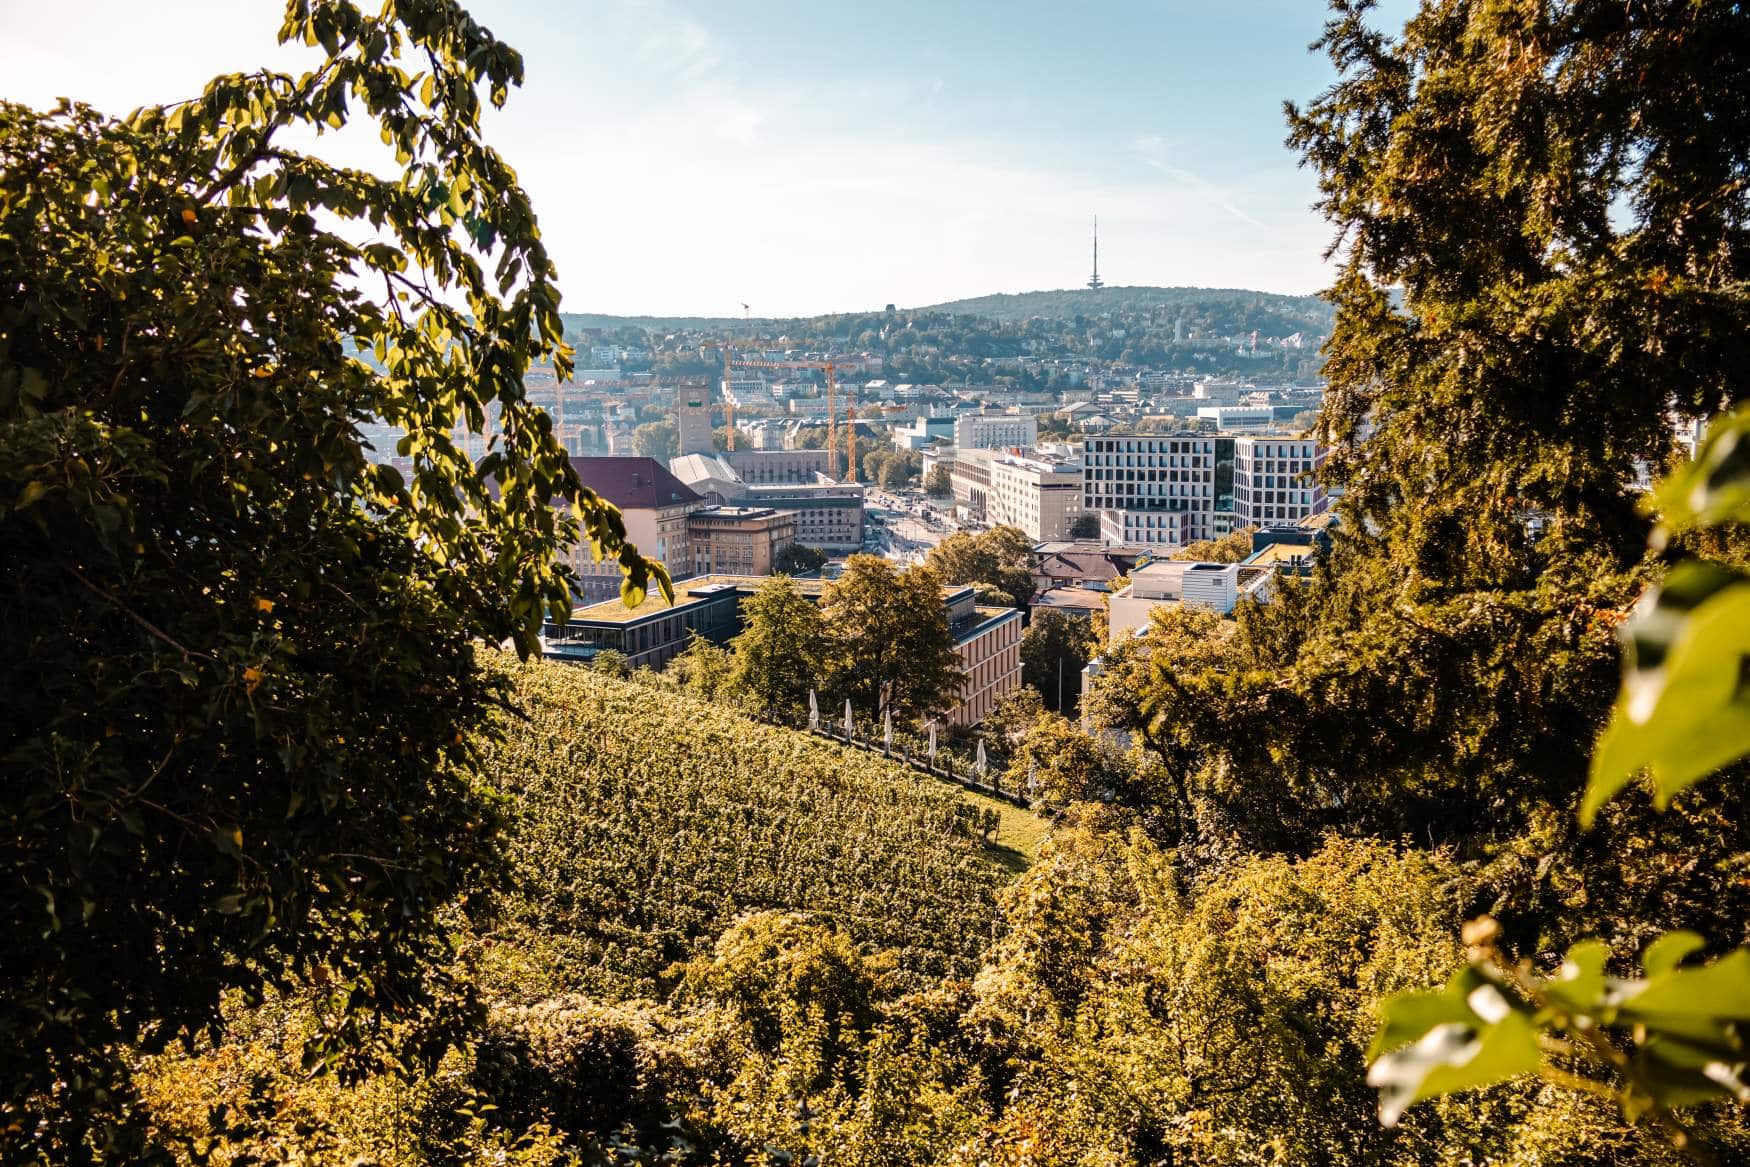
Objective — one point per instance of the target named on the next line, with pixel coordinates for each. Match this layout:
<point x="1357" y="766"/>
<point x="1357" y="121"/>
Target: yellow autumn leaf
<point x="263" y="604"/>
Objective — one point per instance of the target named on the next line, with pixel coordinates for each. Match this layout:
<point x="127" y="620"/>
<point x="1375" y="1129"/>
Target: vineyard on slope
<point x="646" y="822"/>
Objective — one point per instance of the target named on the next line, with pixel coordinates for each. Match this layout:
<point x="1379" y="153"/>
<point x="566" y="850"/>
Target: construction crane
<point x="850" y="443"/>
<point x="831" y="371"/>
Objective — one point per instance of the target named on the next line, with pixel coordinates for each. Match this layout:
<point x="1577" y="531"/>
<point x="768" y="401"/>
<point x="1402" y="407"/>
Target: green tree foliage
<point x="889" y="645"/>
<point x="1055" y="762"/>
<point x="1669" y="1039"/>
<point x="938" y="482"/>
<point x="656" y="439"/>
<point x="798" y="559"/>
<point x="1054" y="650"/>
<point x="1085" y="526"/>
<point x="238" y="657"/>
<point x="782" y="650"/>
<point x="704" y="670"/>
<point x="1000" y="557"/>
<point x="1230" y="548"/>
<point x="1539" y="263"/>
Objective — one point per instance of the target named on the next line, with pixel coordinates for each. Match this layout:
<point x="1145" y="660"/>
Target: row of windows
<point x="1150" y="445"/>
<point x="1102" y="475"/>
<point x="1185" y="460"/>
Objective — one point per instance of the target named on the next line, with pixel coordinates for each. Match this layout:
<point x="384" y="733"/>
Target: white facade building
<point x="1151" y="488"/>
<point x="1235" y="419"/>
<point x="995" y="431"/>
<point x="1040" y="496"/>
<point x="1275" y="480"/>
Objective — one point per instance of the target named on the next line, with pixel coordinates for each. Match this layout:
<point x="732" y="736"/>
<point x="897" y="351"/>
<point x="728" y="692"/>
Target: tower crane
<point x="831" y="402"/>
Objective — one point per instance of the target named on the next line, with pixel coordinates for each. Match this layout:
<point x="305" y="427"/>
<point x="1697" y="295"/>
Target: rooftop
<point x="633" y="483"/>
<point x="689" y="591"/>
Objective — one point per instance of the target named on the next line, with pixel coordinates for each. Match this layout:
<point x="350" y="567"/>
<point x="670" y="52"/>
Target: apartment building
<point x="735" y="540"/>
<point x="1041" y="496"/>
<point x="1275" y="480"/>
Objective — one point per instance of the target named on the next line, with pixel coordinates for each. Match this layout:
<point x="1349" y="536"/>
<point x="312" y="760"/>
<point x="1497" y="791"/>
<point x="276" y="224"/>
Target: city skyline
<point x="688" y="159"/>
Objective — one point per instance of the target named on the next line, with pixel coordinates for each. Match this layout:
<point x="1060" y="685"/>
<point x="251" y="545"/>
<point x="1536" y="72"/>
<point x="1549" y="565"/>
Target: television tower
<point x="1094" y="281"/>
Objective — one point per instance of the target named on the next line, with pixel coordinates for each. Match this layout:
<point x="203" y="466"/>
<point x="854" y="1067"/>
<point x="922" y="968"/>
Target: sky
<point x="686" y="158"/>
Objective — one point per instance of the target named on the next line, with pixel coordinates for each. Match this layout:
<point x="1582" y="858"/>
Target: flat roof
<point x="1282" y="553"/>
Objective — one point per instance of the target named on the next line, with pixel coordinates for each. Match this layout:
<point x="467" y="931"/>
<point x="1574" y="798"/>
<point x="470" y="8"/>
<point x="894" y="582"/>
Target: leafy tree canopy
<point x="888" y="639"/>
<point x="239" y="657"/>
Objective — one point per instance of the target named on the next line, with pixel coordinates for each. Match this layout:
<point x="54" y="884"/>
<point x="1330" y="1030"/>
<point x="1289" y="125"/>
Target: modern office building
<point x="1153" y="488"/>
<point x="1275" y="480"/>
<point x="1041" y="496"/>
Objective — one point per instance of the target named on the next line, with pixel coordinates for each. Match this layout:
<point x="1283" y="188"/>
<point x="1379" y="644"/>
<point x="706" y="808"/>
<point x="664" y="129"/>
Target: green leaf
<point x="1454" y="1056"/>
<point x="1579" y="985"/>
<point x="1710" y="992"/>
<point x="1669" y="951"/>
<point x="1715" y="487"/>
<point x="1407" y="1016"/>
<point x="1685" y="710"/>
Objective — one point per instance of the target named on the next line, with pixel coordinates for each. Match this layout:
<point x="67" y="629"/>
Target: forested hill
<point x="1067" y="303"/>
<point x="1228" y="305"/>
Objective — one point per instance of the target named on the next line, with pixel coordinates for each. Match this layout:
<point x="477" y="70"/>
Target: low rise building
<point x="829" y="515"/>
<point x="987" y="640"/>
<point x="922" y="432"/>
<point x="1216" y="586"/>
<point x="739" y="540"/>
<point x="763" y="467"/>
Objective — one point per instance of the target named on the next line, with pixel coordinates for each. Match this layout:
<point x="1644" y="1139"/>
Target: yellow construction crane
<point x="831" y="402"/>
